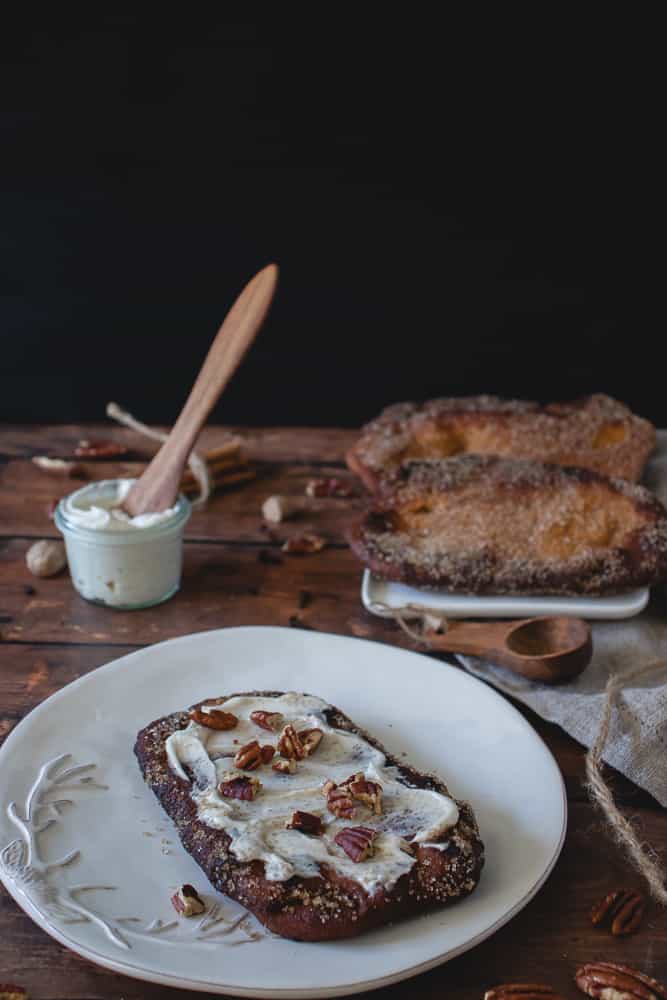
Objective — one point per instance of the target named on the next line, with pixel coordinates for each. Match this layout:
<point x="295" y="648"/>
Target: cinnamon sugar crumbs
<point x="597" y="432"/>
<point x="485" y="524"/>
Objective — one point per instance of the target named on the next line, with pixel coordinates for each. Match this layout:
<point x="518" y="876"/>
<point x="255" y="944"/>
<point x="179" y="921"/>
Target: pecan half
<point x="368" y="792"/>
<point x="100" y="449"/>
<point x="339" y="800"/>
<point x="522" y="991"/>
<point x="249" y="756"/>
<point x="621" y="910"/>
<point x="284" y="766"/>
<point x="303" y="544"/>
<point x="330" y="487"/>
<point x="215" y="719"/>
<point x="186" y="901"/>
<point x="610" y="981"/>
<point x="356" y="841"/>
<point x="272" y="721"/>
<point x="239" y="786"/>
<point x="306" y="822"/>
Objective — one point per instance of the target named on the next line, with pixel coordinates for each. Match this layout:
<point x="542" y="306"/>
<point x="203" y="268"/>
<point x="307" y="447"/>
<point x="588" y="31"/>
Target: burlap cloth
<point x="637" y="743"/>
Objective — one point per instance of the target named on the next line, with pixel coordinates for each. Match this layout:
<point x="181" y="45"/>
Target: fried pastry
<point x="481" y="524"/>
<point x="596" y="432"/>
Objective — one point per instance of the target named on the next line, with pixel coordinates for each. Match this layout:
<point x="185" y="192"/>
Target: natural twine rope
<point x="641" y="855"/>
<point x="197" y="465"/>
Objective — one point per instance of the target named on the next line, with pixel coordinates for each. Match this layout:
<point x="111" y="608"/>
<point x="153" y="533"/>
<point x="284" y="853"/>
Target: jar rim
<point x="182" y="511"/>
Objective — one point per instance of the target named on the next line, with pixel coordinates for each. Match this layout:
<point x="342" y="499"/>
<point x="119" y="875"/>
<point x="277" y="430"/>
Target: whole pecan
<point x="239" y="786"/>
<point x="306" y="822"/>
<point x="356" y="841"/>
<point x="522" y="991"/>
<point x="272" y="721"/>
<point x="621" y="910"/>
<point x="611" y="981"/>
<point x="215" y="719"/>
<point x="339" y="800"/>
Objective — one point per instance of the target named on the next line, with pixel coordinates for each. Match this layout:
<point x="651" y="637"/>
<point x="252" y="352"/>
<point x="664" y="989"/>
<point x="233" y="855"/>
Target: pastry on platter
<point x="596" y="432"/>
<point x="480" y="524"/>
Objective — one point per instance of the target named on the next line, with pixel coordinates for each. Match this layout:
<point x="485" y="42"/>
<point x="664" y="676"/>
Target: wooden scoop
<point x="550" y="650"/>
<point x="157" y="487"/>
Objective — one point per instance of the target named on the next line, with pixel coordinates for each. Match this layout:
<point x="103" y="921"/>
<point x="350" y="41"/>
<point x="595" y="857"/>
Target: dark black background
<point x="455" y="208"/>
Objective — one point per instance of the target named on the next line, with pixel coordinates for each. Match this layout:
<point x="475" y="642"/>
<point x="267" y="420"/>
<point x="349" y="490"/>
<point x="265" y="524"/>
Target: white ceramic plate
<point x="117" y="887"/>
<point x="375" y="593"/>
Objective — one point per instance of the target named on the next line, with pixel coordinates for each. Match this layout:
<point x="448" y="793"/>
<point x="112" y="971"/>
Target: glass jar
<point x="127" y="564"/>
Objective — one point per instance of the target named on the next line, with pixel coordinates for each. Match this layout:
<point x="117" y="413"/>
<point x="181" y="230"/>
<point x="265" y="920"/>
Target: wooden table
<point x="235" y="574"/>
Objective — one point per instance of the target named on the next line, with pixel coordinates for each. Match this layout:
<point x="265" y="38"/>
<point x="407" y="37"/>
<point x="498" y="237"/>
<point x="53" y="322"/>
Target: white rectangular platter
<point x="382" y="597"/>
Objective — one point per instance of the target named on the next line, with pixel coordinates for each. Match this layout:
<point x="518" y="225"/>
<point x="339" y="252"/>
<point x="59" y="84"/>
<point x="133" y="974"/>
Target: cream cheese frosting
<point x="257" y="828"/>
<point x="98" y="507"/>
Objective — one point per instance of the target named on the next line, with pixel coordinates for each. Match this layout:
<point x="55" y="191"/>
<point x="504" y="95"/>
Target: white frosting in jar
<point x="98" y="507"/>
<point x="115" y="559"/>
<point x="257" y="828"/>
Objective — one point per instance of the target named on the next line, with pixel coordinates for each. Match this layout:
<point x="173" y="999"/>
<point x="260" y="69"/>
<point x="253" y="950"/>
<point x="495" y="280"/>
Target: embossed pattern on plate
<point x="87" y="852"/>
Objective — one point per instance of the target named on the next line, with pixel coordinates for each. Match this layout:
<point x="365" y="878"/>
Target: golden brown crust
<point x="488" y="525"/>
<point x="597" y="433"/>
<point x="316" y="909"/>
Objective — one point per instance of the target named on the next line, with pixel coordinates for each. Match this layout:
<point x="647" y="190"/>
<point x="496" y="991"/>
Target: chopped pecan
<point x="290" y="745"/>
<point x="251" y="755"/>
<point x="621" y="910"/>
<point x="10" y="991"/>
<point x="186" y="901"/>
<point x="356" y="841"/>
<point x="610" y="981"/>
<point x="272" y="721"/>
<point x="310" y="740"/>
<point x="304" y="544"/>
<point x="339" y="800"/>
<point x="100" y="449"/>
<point x="331" y="487"/>
<point x="306" y="822"/>
<point x="267" y="752"/>
<point x="284" y="766"/>
<point x="239" y="786"/>
<point x="368" y="792"/>
<point x="522" y="991"/>
<point x="60" y="467"/>
<point x="214" y="719"/>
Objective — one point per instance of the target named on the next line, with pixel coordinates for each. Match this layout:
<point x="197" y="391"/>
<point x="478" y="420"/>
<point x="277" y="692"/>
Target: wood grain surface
<point x="235" y="573"/>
